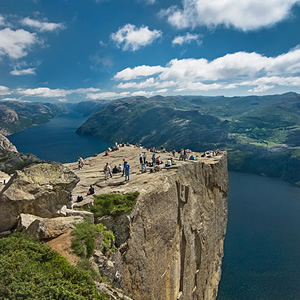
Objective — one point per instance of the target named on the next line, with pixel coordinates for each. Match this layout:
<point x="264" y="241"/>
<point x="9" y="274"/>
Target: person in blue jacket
<point x="126" y="168"/>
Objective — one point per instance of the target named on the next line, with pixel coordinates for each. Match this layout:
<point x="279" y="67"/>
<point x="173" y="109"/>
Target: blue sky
<point x="75" y="50"/>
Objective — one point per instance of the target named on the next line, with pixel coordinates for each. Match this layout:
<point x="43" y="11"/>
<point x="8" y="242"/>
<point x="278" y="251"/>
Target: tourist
<point x="126" y="168"/>
<point x="91" y="190"/>
<point x="173" y="152"/>
<point x="168" y="163"/>
<point x="141" y="158"/>
<point x="70" y="205"/>
<point x="153" y="160"/>
<point x="80" y="163"/>
<point x="115" y="170"/>
<point x="120" y="169"/>
<point x="124" y="163"/>
<point x="107" y="170"/>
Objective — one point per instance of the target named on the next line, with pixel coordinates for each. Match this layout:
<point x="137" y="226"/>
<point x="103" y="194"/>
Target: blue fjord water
<point x="262" y="245"/>
<point x="57" y="140"/>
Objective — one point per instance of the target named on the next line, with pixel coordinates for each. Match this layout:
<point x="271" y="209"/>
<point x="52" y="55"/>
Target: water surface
<point x="262" y="245"/>
<point x="57" y="140"/>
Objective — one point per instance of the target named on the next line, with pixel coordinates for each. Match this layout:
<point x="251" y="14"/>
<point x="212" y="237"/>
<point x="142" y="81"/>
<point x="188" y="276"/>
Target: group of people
<point x="124" y="170"/>
<point x="154" y="163"/>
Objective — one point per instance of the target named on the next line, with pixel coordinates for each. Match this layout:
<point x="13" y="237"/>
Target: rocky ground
<point x="92" y="172"/>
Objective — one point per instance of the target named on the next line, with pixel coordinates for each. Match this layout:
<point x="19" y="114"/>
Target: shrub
<point x="114" y="204"/>
<point x="85" y="235"/>
<point x="32" y="270"/>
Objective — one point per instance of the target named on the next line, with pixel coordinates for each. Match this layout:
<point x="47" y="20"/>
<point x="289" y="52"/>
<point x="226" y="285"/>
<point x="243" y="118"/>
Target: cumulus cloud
<point x="56" y="93"/>
<point x="251" y="71"/>
<point x="16" y="43"/>
<point x="42" y="26"/>
<point x="29" y="71"/>
<point x="186" y="39"/>
<point x="107" y="95"/>
<point x="4" y="90"/>
<point x="44" y="92"/>
<point x="245" y="15"/>
<point x="2" y="21"/>
<point x="140" y="71"/>
<point x="131" y="38"/>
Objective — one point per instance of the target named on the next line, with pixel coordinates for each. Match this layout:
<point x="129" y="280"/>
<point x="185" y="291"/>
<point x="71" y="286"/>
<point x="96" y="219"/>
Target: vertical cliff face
<point x="177" y="232"/>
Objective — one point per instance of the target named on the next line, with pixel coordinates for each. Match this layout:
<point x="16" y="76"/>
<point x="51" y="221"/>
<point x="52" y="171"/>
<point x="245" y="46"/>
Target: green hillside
<point x="261" y="133"/>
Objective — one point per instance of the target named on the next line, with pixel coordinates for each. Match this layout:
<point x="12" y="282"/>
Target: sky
<point x="77" y="50"/>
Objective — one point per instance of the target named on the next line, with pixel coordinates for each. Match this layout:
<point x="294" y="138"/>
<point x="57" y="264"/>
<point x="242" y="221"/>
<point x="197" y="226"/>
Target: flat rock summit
<point x="92" y="171"/>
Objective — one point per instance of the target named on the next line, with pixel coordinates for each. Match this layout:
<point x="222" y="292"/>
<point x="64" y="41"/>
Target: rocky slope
<point x="172" y="246"/>
<point x="17" y="115"/>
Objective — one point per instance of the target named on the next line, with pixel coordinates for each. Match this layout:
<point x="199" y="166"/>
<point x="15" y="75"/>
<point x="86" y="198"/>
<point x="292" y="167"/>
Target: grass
<point x="32" y="270"/>
<point x="85" y="235"/>
<point x="114" y="204"/>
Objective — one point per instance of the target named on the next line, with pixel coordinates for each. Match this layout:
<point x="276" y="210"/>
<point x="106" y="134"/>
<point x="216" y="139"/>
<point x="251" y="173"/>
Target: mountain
<point x="261" y="133"/>
<point x="17" y="115"/>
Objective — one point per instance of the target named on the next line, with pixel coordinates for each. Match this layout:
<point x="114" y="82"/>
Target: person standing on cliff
<point x="127" y="168"/>
<point x="124" y="163"/>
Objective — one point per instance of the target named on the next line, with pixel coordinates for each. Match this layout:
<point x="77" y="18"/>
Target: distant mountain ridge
<point x="17" y="115"/>
<point x="261" y="133"/>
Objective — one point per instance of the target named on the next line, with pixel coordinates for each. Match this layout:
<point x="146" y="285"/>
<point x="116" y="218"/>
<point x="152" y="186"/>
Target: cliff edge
<point x="174" y="246"/>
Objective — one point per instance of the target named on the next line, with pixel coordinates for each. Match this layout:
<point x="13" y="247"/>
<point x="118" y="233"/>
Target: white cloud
<point x="150" y="1"/>
<point x="56" y="93"/>
<point x="106" y="95"/>
<point x="4" y="90"/>
<point x="2" y="21"/>
<point x="10" y="99"/>
<point x="186" y="39"/>
<point x="129" y="37"/>
<point x="261" y="88"/>
<point x="42" y="26"/>
<point x="241" y="70"/>
<point x="161" y="91"/>
<point x="245" y="15"/>
<point x="86" y="90"/>
<point x="140" y="71"/>
<point x="29" y="71"/>
<point x="142" y="93"/>
<point x="44" y="92"/>
<point x="16" y="43"/>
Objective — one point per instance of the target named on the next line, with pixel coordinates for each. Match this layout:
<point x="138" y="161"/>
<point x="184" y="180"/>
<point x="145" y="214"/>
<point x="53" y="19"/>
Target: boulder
<point x="40" y="189"/>
<point x="82" y="213"/>
<point x="45" y="228"/>
<point x="25" y="220"/>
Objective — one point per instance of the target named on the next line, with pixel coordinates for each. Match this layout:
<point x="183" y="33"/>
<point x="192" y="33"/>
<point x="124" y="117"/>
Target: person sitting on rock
<point x="168" y="163"/>
<point x="91" y="190"/>
<point x="115" y="170"/>
<point x="120" y="169"/>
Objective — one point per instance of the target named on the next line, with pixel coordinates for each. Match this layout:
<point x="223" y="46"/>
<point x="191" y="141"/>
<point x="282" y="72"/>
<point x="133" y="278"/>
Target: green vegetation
<point x="85" y="235"/>
<point x="32" y="270"/>
<point x="253" y="129"/>
<point x="114" y="204"/>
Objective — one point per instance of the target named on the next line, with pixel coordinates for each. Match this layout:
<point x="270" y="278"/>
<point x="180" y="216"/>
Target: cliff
<point x="174" y="243"/>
